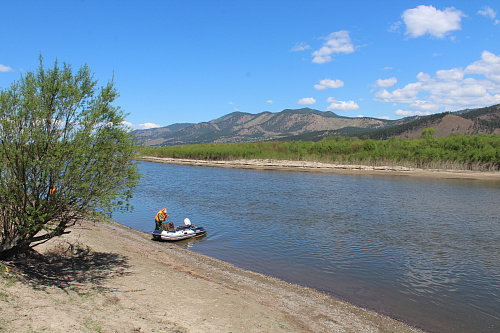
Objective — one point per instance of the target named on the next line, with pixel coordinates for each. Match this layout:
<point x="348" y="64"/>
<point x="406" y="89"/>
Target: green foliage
<point x="58" y="130"/>
<point x="428" y="133"/>
<point x="472" y="152"/>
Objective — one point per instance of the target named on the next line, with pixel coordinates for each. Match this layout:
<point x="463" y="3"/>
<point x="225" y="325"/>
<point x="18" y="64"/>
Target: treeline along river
<point x="425" y="251"/>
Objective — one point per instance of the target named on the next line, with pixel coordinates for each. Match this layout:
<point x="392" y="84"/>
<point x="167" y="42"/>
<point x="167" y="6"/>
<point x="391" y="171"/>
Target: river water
<point x="425" y="251"/>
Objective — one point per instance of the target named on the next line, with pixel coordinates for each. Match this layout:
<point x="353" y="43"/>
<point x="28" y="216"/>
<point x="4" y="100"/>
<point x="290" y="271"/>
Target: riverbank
<point x="130" y="283"/>
<point x="306" y="166"/>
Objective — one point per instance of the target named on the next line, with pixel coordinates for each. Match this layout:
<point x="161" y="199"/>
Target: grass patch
<point x="7" y="275"/>
<point x="4" y="295"/>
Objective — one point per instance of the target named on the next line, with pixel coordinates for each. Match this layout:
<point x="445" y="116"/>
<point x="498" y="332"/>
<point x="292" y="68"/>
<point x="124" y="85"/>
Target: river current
<point x="425" y="251"/>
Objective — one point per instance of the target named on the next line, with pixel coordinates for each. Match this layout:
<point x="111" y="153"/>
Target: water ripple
<point x="426" y="251"/>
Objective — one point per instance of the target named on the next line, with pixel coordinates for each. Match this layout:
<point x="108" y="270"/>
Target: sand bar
<point x="306" y="166"/>
<point x="130" y="283"/>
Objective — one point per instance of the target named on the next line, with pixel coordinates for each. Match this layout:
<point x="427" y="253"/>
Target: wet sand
<point x="130" y="283"/>
<point x="306" y="166"/>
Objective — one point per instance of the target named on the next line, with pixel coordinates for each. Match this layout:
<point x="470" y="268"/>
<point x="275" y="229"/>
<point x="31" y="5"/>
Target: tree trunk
<point x="14" y="247"/>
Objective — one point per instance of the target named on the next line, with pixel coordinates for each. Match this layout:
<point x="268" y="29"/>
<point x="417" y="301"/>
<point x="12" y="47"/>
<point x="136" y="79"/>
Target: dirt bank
<point x="305" y="166"/>
<point x="130" y="283"/>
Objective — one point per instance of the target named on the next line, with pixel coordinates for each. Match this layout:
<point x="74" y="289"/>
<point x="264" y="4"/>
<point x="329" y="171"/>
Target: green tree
<point x="428" y="133"/>
<point x="65" y="155"/>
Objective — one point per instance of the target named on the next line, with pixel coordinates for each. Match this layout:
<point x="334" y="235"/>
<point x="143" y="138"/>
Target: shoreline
<point x="306" y="166"/>
<point x="131" y="283"/>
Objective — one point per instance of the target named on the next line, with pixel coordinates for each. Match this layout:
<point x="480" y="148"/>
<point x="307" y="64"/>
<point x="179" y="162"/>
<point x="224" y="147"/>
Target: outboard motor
<point x="187" y="222"/>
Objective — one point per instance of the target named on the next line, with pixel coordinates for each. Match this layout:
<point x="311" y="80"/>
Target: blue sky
<point x="187" y="61"/>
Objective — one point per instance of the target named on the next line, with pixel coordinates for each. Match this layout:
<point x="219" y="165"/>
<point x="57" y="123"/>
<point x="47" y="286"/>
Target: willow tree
<point x="65" y="155"/>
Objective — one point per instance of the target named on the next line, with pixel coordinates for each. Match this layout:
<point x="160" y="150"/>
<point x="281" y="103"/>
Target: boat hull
<point x="180" y="233"/>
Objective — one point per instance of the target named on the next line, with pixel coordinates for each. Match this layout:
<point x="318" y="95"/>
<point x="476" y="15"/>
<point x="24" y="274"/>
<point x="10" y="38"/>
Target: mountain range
<point x="313" y="125"/>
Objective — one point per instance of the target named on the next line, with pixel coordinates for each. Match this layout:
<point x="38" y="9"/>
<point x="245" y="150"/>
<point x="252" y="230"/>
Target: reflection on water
<point x="426" y="251"/>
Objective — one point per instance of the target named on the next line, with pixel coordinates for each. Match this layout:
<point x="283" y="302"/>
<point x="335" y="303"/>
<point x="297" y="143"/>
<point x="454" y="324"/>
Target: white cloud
<point x="403" y="113"/>
<point x="412" y="113"/>
<point x="489" y="12"/>
<point x="306" y="101"/>
<point x="236" y="109"/>
<point x="230" y="103"/>
<point x="425" y="106"/>
<point x="341" y="105"/>
<point x="147" y="126"/>
<point x="380" y="83"/>
<point x="336" y="42"/>
<point x="422" y="113"/>
<point x="455" y="74"/>
<point x="395" y="27"/>
<point x="328" y="83"/>
<point x="127" y="124"/>
<point x="269" y="101"/>
<point x="477" y="85"/>
<point x="489" y="66"/>
<point x="140" y="126"/>
<point x="5" y="69"/>
<point x="429" y="20"/>
<point x="300" y="47"/>
<point x="407" y="94"/>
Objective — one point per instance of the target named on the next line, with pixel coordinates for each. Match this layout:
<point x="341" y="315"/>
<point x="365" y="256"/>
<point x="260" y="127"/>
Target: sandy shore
<point x="305" y="166"/>
<point x="130" y="283"/>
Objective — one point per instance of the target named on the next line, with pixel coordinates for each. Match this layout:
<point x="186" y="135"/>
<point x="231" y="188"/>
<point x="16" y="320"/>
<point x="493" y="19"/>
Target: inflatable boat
<point x="170" y="233"/>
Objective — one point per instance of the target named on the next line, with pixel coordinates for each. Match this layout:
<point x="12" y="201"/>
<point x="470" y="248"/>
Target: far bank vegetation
<point x="479" y="152"/>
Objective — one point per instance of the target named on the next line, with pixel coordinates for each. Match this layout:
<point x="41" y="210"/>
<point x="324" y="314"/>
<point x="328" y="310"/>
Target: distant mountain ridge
<point x="310" y="124"/>
<point x="467" y="122"/>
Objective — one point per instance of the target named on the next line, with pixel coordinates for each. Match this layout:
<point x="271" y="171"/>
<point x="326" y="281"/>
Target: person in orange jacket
<point x="160" y="217"/>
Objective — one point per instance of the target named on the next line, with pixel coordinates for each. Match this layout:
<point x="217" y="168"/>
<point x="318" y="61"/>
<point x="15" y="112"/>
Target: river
<point x="425" y="251"/>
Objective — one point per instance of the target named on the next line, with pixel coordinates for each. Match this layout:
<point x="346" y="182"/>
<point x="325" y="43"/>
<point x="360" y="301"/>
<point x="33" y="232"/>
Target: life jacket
<point x="163" y="215"/>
